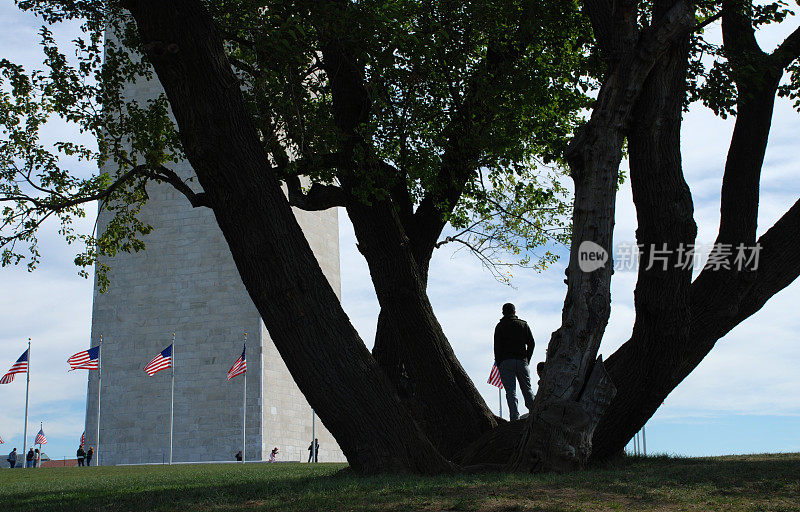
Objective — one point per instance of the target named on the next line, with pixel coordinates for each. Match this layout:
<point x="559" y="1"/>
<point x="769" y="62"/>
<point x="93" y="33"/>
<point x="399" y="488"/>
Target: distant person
<point x="29" y="458"/>
<point x="81" y="455"/>
<point x="239" y="456"/>
<point x="313" y="450"/>
<point x="89" y="456"/>
<point x="37" y="458"/>
<point x="12" y="458"/>
<point x="273" y="455"/>
<point x="513" y="348"/>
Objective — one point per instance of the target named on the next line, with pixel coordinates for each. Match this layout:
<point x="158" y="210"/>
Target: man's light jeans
<point x="511" y="371"/>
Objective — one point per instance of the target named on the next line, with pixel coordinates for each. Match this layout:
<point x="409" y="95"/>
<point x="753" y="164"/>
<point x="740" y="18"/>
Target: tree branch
<point x="318" y="197"/>
<point x="708" y="21"/>
<point x="103" y="194"/>
<point x="738" y="34"/>
<point x="196" y="199"/>
<point x="788" y="51"/>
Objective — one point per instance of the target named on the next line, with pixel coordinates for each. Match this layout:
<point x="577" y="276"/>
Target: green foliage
<point x="490" y="89"/>
<point x="791" y="88"/>
<point x="711" y="79"/>
<point x="496" y="88"/>
<point x="40" y="180"/>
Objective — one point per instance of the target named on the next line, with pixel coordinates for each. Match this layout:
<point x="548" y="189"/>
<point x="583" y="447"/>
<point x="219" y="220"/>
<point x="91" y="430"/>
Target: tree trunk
<point x="439" y="392"/>
<point x="665" y="223"/>
<point x="718" y="299"/>
<point x="322" y="350"/>
<point x="575" y="389"/>
<point x="421" y="362"/>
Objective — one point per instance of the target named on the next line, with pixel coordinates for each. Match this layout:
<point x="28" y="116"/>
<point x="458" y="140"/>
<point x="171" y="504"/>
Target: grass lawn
<point x="768" y="483"/>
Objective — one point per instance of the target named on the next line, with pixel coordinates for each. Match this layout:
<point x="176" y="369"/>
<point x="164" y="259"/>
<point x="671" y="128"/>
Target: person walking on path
<point x="313" y="451"/>
<point x="81" y="455"/>
<point x="513" y="349"/>
<point x="89" y="456"/>
<point x="29" y="458"/>
<point x="12" y="458"/>
<point x="273" y="455"/>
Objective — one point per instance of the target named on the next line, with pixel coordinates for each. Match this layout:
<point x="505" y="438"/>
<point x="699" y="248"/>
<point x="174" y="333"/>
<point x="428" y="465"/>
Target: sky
<point x="743" y="398"/>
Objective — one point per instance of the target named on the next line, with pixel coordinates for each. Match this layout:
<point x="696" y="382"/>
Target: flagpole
<point x="172" y="397"/>
<point x="244" y="405"/>
<point x="500" y="400"/>
<point x="313" y="436"/>
<point x="41" y="429"/>
<point x="99" y="377"/>
<point x="27" y="389"/>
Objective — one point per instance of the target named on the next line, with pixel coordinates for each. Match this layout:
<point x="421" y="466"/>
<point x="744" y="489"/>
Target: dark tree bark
<point x="437" y="390"/>
<point x="718" y="299"/>
<point x="575" y="389"/>
<point x="322" y="350"/>
<point x="665" y="228"/>
<point x="441" y="395"/>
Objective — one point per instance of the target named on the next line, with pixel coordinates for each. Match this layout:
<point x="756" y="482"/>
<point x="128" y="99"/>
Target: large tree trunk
<point x="320" y="347"/>
<point x="720" y="301"/>
<point x="439" y="392"/>
<point x="575" y="389"/>
<point x="665" y="223"/>
<point x="422" y="364"/>
<point x="719" y="298"/>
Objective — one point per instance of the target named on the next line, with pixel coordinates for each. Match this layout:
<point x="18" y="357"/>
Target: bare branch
<point x="196" y="199"/>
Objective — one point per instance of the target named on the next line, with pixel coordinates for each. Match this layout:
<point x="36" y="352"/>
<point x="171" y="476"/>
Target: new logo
<point x="591" y="256"/>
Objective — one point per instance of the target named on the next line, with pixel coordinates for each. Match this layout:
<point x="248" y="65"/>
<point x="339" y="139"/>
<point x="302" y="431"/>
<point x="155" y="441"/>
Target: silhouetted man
<point x="513" y="348"/>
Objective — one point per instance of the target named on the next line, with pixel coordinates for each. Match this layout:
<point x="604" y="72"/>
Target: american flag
<point x="83" y="438"/>
<point x="21" y="366"/>
<point x="40" y="437"/>
<point x="161" y="362"/>
<point x="494" y="377"/>
<point x="240" y="366"/>
<point x="85" y="360"/>
<point x="1" y="441"/>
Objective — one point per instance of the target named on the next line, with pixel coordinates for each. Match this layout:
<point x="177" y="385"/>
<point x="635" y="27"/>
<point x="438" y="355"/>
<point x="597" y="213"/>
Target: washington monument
<point x="186" y="282"/>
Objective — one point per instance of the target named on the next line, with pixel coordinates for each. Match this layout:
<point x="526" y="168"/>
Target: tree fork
<point x="576" y="390"/>
<point x="665" y="222"/>
<point x="448" y="407"/>
<point x="438" y="391"/>
<point x="720" y="299"/>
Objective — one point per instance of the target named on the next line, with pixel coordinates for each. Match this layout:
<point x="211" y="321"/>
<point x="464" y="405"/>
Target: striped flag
<point x="240" y="366"/>
<point x="21" y="366"/>
<point x="161" y="362"/>
<point x="494" y="377"/>
<point x="40" y="437"/>
<point x="85" y="360"/>
<point x="83" y="438"/>
<point x="1" y="441"/>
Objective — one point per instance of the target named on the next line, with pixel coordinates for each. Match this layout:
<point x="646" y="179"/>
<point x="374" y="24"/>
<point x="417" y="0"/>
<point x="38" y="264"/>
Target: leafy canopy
<point x="493" y="89"/>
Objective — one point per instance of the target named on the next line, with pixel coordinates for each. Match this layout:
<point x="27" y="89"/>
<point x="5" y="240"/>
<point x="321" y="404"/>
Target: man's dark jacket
<point x="512" y="339"/>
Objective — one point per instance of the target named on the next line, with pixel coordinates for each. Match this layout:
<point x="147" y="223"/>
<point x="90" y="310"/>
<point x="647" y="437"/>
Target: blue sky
<point x="743" y="398"/>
